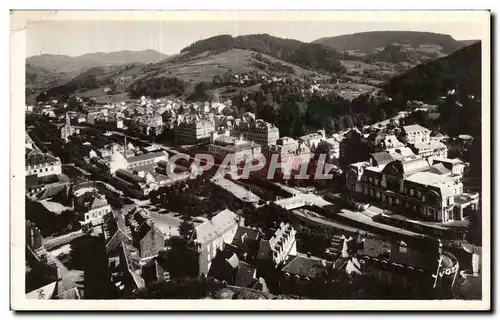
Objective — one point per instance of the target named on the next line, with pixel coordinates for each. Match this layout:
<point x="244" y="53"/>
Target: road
<point x="51" y="243"/>
<point x="236" y="189"/>
<point x="314" y="217"/>
<point x="356" y="217"/>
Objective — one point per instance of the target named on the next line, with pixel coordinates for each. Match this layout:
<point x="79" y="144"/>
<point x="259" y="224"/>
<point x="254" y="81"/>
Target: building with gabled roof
<point x="115" y="231"/>
<point x="415" y="134"/>
<point x="41" y="164"/>
<point x="146" y="237"/>
<point x="212" y="235"/>
<point x="281" y="244"/>
<point x="90" y="205"/>
<point x="421" y="188"/>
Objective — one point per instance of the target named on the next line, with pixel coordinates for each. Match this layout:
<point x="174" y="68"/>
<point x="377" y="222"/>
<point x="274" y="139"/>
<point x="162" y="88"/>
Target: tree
<point x="186" y="228"/>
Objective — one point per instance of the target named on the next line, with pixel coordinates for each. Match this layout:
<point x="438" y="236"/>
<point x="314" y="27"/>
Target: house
<point x="417" y="187"/>
<point x="397" y="263"/>
<point x="415" y="134"/>
<point x="289" y="153"/>
<point x="281" y="245"/>
<point x="257" y="130"/>
<point x="90" y="205"/>
<point x="246" y="243"/>
<point x="299" y="270"/>
<point x="239" y="149"/>
<point x="146" y="237"/>
<point x="312" y="140"/>
<point x="115" y="231"/>
<point x="42" y="272"/>
<point x="41" y="164"/>
<point x="213" y="235"/>
<point x="194" y="131"/>
<point x="228" y="268"/>
<point x="430" y="149"/>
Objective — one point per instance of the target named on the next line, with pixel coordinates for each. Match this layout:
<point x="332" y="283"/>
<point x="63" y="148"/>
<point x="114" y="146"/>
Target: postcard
<point x="282" y="160"/>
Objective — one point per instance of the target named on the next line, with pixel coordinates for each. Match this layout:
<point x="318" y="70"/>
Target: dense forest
<point x="156" y="87"/>
<point x="368" y="41"/>
<point x="460" y="70"/>
<point x="393" y="54"/>
<point x="307" y="55"/>
<point x="90" y="79"/>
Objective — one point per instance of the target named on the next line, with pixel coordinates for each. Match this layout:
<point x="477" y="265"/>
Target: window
<point x="411" y="192"/>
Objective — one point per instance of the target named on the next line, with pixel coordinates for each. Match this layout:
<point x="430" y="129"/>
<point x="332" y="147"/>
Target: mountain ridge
<point x="303" y="54"/>
<point x="370" y="40"/>
<point x="75" y="65"/>
<point x="461" y="70"/>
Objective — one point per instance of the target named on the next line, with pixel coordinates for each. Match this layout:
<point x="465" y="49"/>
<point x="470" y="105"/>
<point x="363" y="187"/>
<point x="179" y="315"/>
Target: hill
<point x="369" y="41"/>
<point x="189" y="68"/>
<point x="38" y="78"/>
<point x="75" y="65"/>
<point x="306" y="55"/>
<point x="460" y="70"/>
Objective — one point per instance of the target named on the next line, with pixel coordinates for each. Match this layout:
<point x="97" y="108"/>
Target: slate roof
<point x="98" y="202"/>
<point x="306" y="266"/>
<point x="35" y="157"/>
<point x="382" y="157"/>
<point x="417" y="259"/>
<point x="414" y="128"/>
<point x="444" y="183"/>
<point x="245" y="275"/>
<point x="245" y="236"/>
<point x="215" y="227"/>
<point x="439" y="169"/>
<point x="147" y="156"/>
<point x="414" y="165"/>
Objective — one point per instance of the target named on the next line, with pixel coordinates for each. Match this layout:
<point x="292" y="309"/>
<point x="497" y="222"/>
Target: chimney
<point x="308" y="254"/>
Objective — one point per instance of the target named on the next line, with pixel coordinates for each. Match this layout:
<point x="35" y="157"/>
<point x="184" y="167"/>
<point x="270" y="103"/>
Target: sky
<point x="75" y="38"/>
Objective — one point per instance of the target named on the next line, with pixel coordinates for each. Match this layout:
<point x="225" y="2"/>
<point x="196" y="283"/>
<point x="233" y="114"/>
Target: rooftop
<point x="147" y="156"/>
<point x="444" y="183"/>
<point x="215" y="227"/>
<point x="303" y="266"/>
<point x="415" y="128"/>
<point x="399" y="253"/>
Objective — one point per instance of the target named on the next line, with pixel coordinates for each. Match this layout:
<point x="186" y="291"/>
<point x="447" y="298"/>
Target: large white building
<point x="194" y="131"/>
<point x="222" y="146"/>
<point x="41" y="164"/>
<point x="415" y="134"/>
<point x="423" y="188"/>
<point x="90" y="205"/>
<point x="291" y="154"/>
<point x="258" y="131"/>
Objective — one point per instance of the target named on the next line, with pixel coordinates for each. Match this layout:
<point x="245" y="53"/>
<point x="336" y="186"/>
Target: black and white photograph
<point x="202" y="156"/>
